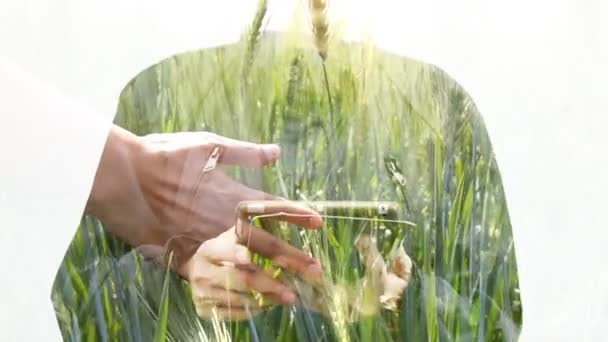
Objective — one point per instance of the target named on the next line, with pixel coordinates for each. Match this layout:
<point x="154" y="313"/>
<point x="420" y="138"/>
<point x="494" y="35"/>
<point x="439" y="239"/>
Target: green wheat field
<point x="376" y="126"/>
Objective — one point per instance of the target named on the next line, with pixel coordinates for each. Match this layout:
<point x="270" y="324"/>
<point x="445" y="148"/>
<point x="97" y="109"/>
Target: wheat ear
<point x="320" y="30"/>
<point x="320" y="26"/>
<point x="253" y="35"/>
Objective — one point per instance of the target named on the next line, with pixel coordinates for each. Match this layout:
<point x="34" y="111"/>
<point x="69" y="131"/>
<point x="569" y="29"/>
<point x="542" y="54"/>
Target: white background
<point x="536" y="69"/>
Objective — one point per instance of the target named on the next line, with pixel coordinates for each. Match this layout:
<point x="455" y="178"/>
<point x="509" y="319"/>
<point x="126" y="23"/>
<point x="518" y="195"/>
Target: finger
<point x="176" y="140"/>
<point x="224" y="249"/>
<point x="262" y="203"/>
<point x="282" y="210"/>
<point x="247" y="279"/>
<point x="401" y="264"/>
<point x="280" y="252"/>
<point x="258" y="280"/>
<point x="225" y="313"/>
<point x="243" y="153"/>
<point x="210" y="295"/>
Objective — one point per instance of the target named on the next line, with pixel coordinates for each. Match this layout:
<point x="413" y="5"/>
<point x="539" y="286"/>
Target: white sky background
<point x="536" y="69"/>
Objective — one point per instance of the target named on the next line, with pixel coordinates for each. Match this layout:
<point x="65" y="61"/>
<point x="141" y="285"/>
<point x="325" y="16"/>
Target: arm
<point x="117" y="181"/>
<point x="152" y="191"/>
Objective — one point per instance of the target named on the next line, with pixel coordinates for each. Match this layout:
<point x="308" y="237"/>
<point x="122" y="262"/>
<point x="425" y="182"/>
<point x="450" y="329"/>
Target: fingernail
<point x="315" y="221"/>
<point x="288" y="297"/>
<point x="271" y="151"/>
<point x="313" y="272"/>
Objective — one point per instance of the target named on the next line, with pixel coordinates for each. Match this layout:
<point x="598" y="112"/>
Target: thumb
<point x="235" y="152"/>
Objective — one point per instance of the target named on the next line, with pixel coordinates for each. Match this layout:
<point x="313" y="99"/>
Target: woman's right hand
<point x="226" y="284"/>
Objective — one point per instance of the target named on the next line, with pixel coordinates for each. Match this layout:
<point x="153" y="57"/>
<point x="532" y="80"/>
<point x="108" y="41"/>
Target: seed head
<point x="320" y="26"/>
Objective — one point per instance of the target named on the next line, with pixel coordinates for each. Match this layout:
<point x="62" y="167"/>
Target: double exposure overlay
<point x="386" y="180"/>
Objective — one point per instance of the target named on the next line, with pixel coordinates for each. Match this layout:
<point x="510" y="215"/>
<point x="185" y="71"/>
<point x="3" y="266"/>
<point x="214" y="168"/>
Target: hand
<point x="387" y="281"/>
<point x="227" y="285"/>
<point x="382" y="285"/>
<point x="151" y="190"/>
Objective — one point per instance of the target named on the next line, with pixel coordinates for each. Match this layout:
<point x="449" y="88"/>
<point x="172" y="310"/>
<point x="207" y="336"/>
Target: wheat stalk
<point x="320" y="30"/>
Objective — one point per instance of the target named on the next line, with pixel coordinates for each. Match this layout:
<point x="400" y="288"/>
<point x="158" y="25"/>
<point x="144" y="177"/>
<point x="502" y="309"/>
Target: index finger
<point x="279" y="251"/>
<point x="245" y="153"/>
<point x="282" y="210"/>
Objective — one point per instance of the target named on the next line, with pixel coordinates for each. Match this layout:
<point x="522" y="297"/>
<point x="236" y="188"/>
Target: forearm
<point x="117" y="180"/>
<point x="115" y="167"/>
